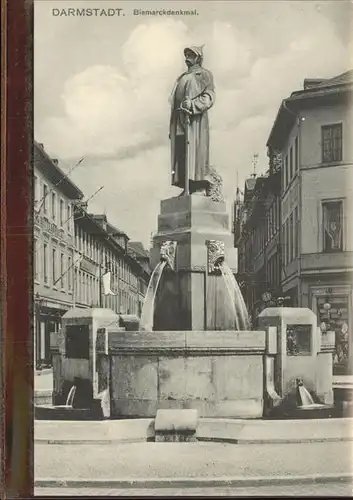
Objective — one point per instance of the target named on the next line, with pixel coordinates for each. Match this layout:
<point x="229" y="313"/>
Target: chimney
<point x="55" y="161"/>
<point x="310" y="83"/>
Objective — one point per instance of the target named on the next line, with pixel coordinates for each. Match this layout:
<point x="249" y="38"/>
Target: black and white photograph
<point x="192" y="248"/>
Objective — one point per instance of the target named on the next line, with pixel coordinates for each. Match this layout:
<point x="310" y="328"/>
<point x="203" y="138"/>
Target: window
<point x="331" y="136"/>
<point x="69" y="219"/>
<point x="333" y="226"/>
<point x="53" y="206"/>
<point x="78" y="284"/>
<point x="62" y="270"/>
<point x="338" y="319"/>
<point x="274" y="221"/>
<point x="54" y="266"/>
<point x="36" y="191"/>
<point x="45" y="198"/>
<point x="69" y="275"/>
<point x="294" y="238"/>
<point x="296" y="154"/>
<point x="88" y="289"/>
<point x="85" y="288"/>
<point x="289" y="240"/>
<point x="61" y="213"/>
<point x="285" y="172"/>
<point x="295" y="233"/>
<point x="45" y="262"/>
<point x="35" y="259"/>
<point x="291" y="163"/>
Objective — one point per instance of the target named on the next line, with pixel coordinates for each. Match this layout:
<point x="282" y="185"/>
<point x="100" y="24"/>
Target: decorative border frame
<point x="17" y="367"/>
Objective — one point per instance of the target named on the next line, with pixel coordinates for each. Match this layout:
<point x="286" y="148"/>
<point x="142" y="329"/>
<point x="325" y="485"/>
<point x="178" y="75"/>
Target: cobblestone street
<point x="190" y="460"/>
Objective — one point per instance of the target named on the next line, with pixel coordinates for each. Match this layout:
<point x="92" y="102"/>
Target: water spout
<point x="146" y="321"/>
<point x="305" y="397"/>
<point x="241" y="315"/>
<point x="71" y="396"/>
<point x="231" y="296"/>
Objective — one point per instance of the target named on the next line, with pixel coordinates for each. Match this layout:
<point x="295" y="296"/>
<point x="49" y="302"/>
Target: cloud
<point x="116" y="115"/>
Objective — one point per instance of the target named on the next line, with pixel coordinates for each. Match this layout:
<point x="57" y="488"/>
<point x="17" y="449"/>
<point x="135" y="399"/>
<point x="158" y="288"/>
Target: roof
<point x="328" y="84"/>
<point x="115" y="230"/>
<point x="82" y="215"/>
<point x="343" y="78"/>
<point x="103" y="221"/>
<point x="287" y="113"/>
<point x="51" y="170"/>
<point x="138" y="248"/>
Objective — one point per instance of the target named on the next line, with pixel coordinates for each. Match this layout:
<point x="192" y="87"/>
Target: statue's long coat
<point x="200" y="89"/>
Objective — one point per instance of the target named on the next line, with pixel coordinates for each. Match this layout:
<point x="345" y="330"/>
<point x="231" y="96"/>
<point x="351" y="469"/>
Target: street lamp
<point x="327" y="308"/>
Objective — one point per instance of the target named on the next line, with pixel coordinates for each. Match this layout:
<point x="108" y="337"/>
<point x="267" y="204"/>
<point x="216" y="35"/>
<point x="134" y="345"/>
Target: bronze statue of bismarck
<point x="192" y="96"/>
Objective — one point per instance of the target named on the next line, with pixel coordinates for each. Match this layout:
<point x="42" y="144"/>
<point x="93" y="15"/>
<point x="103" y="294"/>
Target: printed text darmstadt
<point x="88" y="12"/>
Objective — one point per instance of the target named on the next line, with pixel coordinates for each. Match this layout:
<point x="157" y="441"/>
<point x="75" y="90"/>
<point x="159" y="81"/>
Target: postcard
<point x="191" y="247"/>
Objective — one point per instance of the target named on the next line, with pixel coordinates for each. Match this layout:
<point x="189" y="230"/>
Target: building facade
<point x="53" y="248"/>
<point x="104" y="264"/>
<point x="312" y="133"/>
<point x="258" y="241"/>
<point x="79" y="259"/>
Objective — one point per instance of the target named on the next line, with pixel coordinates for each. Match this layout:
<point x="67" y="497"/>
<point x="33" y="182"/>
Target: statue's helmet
<point x="198" y="50"/>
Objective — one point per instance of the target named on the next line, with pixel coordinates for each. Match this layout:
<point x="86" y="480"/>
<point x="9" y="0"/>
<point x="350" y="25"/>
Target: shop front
<point x="333" y="305"/>
<point x="47" y="320"/>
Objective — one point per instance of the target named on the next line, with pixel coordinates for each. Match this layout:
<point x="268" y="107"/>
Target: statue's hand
<point x="186" y="103"/>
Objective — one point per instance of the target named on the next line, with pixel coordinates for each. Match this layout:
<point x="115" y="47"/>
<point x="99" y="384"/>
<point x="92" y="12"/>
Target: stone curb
<point x="201" y="439"/>
<point x="213" y="430"/>
<point x="193" y="482"/>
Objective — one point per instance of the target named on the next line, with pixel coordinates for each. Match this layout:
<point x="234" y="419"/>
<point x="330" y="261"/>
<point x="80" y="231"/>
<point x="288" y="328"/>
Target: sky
<point x="101" y="88"/>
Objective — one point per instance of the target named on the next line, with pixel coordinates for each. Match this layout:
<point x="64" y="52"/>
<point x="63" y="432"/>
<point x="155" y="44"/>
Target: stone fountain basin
<point x="312" y="411"/>
<point x="312" y="406"/>
<point x="63" y="412"/>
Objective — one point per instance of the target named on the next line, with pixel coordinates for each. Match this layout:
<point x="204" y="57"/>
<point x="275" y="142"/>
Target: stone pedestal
<point x="187" y="296"/>
<point x="299" y="351"/>
<point x="80" y="357"/>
